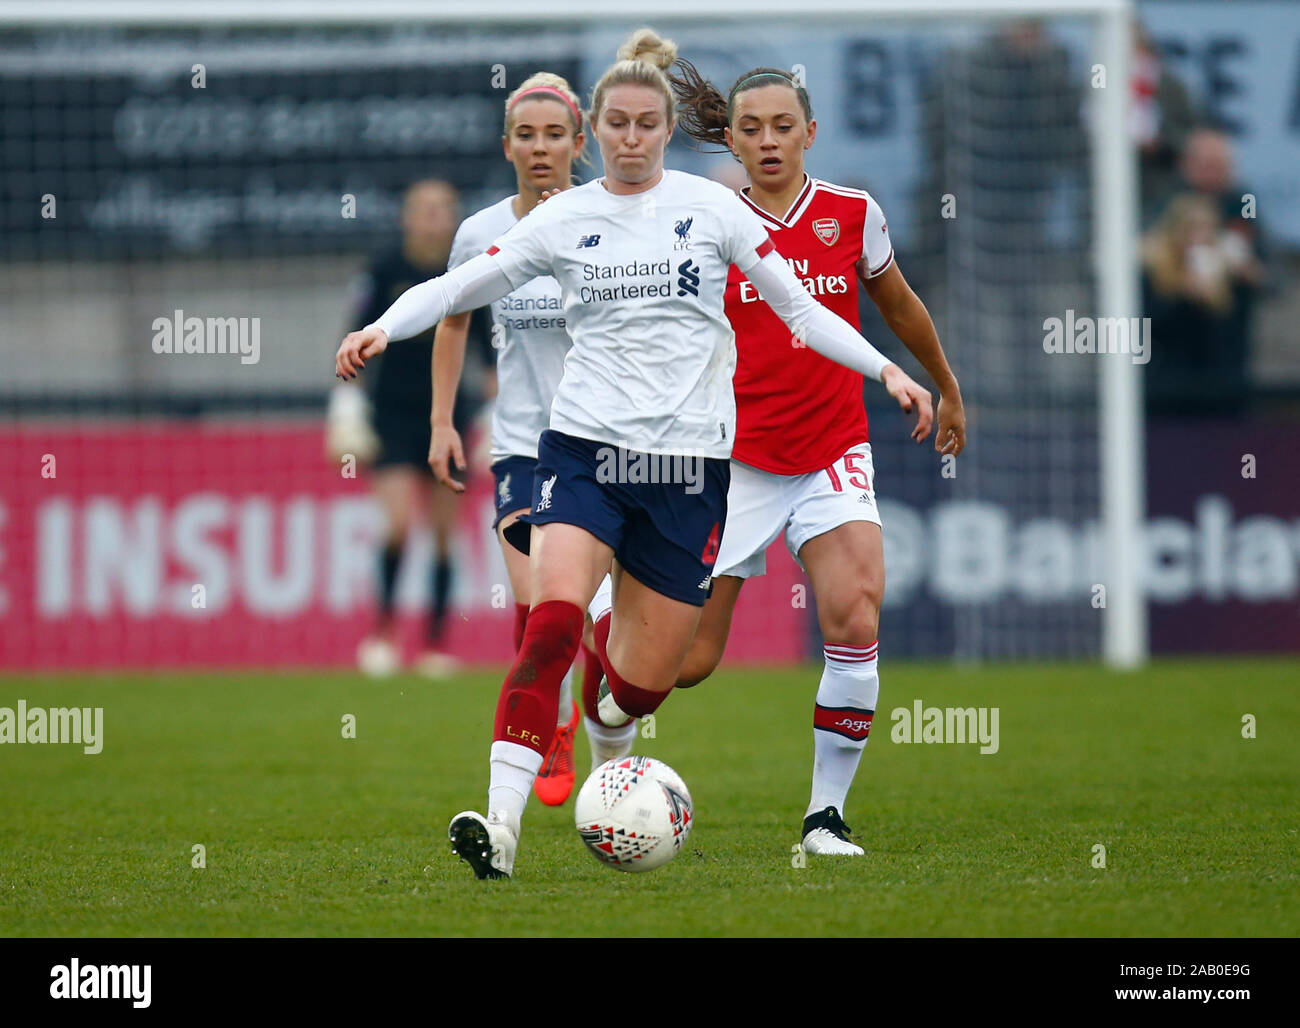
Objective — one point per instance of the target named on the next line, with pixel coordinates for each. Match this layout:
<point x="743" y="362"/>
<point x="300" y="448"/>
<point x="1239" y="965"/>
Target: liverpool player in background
<point x="396" y="438"/>
<point x="801" y="464"/>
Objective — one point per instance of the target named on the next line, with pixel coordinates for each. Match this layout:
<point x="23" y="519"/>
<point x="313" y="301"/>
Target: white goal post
<point x="1113" y="164"/>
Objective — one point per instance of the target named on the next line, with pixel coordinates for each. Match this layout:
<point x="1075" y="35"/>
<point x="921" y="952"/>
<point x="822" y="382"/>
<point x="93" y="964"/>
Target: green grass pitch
<point x="307" y="833"/>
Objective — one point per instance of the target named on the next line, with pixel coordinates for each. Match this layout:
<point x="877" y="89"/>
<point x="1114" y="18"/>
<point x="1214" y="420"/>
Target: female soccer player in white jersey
<point x="641" y="256"/>
<point x="801" y="464"/>
<point x="543" y="136"/>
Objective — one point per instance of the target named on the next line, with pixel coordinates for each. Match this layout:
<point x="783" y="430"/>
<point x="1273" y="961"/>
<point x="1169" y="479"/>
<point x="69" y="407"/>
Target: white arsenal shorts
<point x="761" y="505"/>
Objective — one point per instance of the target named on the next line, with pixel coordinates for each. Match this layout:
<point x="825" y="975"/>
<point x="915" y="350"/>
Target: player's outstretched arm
<point x="908" y="319"/>
<point x="476" y="283"/>
<point x="837" y="340"/>
<point x="445" y="445"/>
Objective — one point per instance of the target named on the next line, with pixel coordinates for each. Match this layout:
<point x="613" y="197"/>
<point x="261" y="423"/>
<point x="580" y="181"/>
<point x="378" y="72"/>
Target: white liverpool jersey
<point x="528" y="335"/>
<point x="643" y="279"/>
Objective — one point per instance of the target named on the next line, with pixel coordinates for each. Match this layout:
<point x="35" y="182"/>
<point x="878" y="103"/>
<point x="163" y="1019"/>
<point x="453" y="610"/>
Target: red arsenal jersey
<point x="796" y="411"/>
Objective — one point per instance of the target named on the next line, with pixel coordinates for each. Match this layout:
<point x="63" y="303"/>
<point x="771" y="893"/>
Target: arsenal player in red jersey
<point x="801" y="463"/>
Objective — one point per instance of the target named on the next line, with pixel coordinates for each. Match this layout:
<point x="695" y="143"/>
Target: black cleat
<point x="486" y="843"/>
<point x="826" y="833"/>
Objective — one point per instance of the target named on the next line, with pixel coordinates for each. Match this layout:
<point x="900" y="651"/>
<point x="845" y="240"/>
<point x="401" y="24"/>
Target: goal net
<point x="239" y="163"/>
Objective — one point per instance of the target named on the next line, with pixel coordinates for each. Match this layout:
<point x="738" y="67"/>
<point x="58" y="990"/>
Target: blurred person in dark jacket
<point x="390" y="428"/>
<point x="1002" y="201"/>
<point x="1208" y="168"/>
<point x="1190" y="266"/>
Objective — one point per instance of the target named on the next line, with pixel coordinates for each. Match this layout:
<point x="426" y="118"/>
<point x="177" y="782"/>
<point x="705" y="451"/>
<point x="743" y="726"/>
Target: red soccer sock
<point x="521" y="619"/>
<point x="530" y="694"/>
<point x="591" y="672"/>
<point x="631" y="699"/>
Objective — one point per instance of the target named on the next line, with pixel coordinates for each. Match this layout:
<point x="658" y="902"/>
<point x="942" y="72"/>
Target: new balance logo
<point x="591" y="240"/>
<point x="688" y="278"/>
<point x="545" y="502"/>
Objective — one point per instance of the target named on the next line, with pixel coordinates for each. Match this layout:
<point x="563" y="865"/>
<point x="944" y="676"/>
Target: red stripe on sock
<point x="591" y="672"/>
<point x="850" y="722"/>
<point x="631" y="699"/>
<point x="850" y="654"/>
<point x="521" y="619"/>
<point x="531" y="691"/>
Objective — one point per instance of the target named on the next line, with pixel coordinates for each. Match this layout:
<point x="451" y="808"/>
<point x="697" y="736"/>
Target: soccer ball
<point x="634" y="813"/>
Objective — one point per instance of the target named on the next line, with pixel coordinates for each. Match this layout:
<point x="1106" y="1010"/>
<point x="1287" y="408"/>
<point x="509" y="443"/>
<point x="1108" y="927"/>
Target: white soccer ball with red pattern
<point x="634" y="813"/>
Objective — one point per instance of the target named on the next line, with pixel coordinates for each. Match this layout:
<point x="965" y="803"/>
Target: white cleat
<point x="436" y="665"/>
<point x="487" y="843"/>
<point x="609" y="712"/>
<point x="825" y="833"/>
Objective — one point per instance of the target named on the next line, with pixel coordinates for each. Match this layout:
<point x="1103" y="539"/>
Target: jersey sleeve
<point x="468" y="243"/>
<point x="526" y="251"/>
<point x="462" y="245"/>
<point x="476" y="283"/>
<point x="817" y="325"/>
<point x="877" y="249"/>
<point x="747" y="239"/>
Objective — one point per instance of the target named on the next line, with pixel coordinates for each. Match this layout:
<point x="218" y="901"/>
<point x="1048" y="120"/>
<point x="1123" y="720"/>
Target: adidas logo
<point x="864" y="498"/>
<point x="705" y="583"/>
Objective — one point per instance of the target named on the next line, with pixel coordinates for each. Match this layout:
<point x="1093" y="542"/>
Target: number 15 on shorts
<point x="856" y="475"/>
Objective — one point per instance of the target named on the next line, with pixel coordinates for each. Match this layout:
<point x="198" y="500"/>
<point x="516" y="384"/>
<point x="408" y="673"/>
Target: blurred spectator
<point x="1206" y="169"/>
<point x="1005" y="157"/>
<point x="1199" y="352"/>
<point x="1007" y="113"/>
<point x="1161" y="120"/>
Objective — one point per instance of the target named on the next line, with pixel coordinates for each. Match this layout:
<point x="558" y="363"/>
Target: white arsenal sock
<point x="846" y="703"/>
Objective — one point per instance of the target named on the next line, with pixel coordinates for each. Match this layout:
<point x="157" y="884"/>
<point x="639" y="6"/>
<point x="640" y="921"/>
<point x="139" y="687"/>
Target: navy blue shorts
<point x="514" y="482"/>
<point x="663" y="516"/>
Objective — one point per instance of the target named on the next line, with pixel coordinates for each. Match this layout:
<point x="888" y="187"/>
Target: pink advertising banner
<point x="182" y="544"/>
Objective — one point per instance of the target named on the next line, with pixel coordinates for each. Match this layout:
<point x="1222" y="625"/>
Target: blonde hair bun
<point x="648" y="47"/>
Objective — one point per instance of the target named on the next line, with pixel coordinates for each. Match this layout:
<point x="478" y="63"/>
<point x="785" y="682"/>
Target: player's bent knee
<point x="700" y="663"/>
<point x="854" y="623"/>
